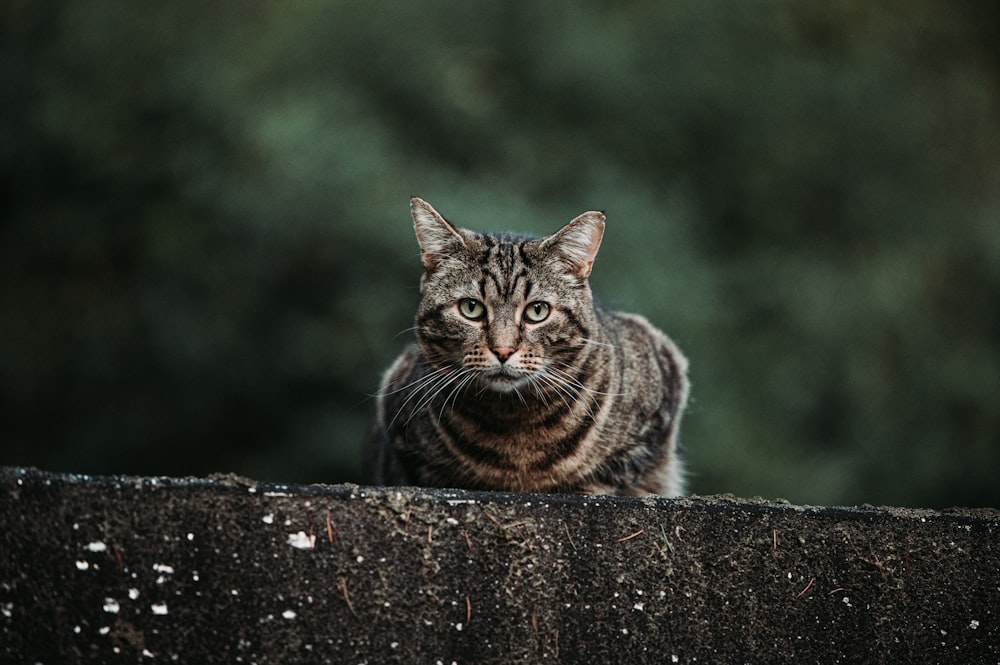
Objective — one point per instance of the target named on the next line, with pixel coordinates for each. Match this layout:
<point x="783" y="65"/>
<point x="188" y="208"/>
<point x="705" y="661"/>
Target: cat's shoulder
<point x="637" y="327"/>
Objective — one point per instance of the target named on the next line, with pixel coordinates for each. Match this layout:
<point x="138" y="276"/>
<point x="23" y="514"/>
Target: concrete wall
<point x="116" y="569"/>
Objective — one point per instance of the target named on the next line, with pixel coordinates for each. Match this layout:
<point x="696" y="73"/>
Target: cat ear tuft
<point x="436" y="235"/>
<point x="577" y="242"/>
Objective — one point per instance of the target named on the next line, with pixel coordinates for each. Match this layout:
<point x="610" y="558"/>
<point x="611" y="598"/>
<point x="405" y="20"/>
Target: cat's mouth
<point x="504" y="379"/>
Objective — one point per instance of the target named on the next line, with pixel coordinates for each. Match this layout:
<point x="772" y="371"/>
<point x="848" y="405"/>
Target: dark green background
<point x="207" y="257"/>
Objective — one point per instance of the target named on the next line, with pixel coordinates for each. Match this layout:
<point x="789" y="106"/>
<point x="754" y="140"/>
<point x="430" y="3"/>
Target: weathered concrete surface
<point x="223" y="570"/>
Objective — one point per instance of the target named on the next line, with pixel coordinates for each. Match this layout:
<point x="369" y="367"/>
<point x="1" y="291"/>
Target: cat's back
<point x="641" y="344"/>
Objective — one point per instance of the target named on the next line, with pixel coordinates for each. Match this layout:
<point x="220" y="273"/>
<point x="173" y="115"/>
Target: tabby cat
<point x="519" y="381"/>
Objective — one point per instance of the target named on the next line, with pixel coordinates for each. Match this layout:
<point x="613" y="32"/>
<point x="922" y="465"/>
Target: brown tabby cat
<point x="519" y="381"/>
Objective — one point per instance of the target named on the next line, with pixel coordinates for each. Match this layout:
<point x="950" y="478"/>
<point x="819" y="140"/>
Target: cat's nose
<point x="503" y="352"/>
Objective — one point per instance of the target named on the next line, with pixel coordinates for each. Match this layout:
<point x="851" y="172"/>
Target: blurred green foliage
<point x="207" y="257"/>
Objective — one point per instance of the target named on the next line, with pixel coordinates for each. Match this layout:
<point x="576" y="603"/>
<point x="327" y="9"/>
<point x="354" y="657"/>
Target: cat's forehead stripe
<point x="504" y="285"/>
<point x="503" y="266"/>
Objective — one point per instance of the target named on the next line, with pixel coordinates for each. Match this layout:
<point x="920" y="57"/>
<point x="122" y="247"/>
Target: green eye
<point x="471" y="309"/>
<point x="536" y="312"/>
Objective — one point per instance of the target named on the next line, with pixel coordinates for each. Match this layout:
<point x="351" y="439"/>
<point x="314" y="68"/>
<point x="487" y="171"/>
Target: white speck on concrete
<point x="159" y="608"/>
<point x="163" y="568"/>
<point x="302" y="540"/>
<point x="133" y="593"/>
<point x="111" y="605"/>
<point x="288" y="614"/>
<point x="393" y="645"/>
<point x="268" y="519"/>
<point x="638" y="606"/>
<point x="459" y="627"/>
<point x="674" y="658"/>
<point x="104" y="630"/>
<point x="146" y="653"/>
<point x="96" y="546"/>
<point x="190" y="536"/>
<point x="361" y="559"/>
<point x="847" y="601"/>
<point x="451" y="521"/>
<point x="82" y="565"/>
<point x="7" y="609"/>
<point x="973" y="624"/>
<point x="276" y="494"/>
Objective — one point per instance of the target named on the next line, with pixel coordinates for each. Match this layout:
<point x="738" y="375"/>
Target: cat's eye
<point x="536" y="312"/>
<point x="471" y="308"/>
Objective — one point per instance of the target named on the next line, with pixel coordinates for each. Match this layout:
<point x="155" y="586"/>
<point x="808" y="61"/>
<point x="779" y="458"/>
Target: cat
<point x="519" y="381"/>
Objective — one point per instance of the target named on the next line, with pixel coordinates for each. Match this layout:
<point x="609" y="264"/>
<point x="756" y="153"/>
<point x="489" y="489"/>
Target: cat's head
<point x="506" y="311"/>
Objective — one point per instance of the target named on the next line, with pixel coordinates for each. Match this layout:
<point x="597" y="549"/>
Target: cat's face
<point x="506" y="312"/>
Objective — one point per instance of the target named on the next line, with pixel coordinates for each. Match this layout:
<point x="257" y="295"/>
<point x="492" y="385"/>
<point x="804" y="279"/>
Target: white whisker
<point x="424" y="389"/>
<point x="596" y="343"/>
<point x="412" y="384"/>
<point x="433" y="391"/>
<point x="559" y="389"/>
<point x="466" y="376"/>
<point x="573" y="380"/>
<point x="404" y="331"/>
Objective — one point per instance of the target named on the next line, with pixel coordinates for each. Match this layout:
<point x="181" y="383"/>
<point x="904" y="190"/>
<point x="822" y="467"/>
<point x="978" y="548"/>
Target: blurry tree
<point x="206" y="255"/>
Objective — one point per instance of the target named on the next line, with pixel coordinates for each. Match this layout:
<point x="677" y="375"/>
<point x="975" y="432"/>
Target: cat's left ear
<point x="577" y="242"/>
<point x="437" y="236"/>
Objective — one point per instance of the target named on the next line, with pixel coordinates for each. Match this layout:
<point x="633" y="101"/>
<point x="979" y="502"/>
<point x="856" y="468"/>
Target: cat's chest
<point x="538" y="446"/>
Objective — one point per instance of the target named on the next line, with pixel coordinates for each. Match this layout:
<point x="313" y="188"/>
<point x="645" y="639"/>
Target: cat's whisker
<point x="412" y="384"/>
<point x="404" y="331"/>
<point x="558" y="389"/>
<point x="416" y="388"/>
<point x="426" y="388"/>
<point x="519" y="396"/>
<point x="569" y="377"/>
<point x="594" y="342"/>
<point x="466" y="376"/>
<point x="533" y="381"/>
<point x="433" y="391"/>
<point x="568" y="383"/>
<point x="566" y="389"/>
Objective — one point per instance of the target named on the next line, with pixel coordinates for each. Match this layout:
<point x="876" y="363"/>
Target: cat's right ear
<point x="577" y="242"/>
<point x="437" y="236"/>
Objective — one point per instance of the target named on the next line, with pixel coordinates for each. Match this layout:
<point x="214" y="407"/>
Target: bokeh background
<point x="207" y="257"/>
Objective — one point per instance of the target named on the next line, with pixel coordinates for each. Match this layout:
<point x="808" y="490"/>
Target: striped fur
<point x="518" y="381"/>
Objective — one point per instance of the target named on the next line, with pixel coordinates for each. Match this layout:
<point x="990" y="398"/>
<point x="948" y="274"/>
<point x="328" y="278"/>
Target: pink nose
<point x="503" y="352"/>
